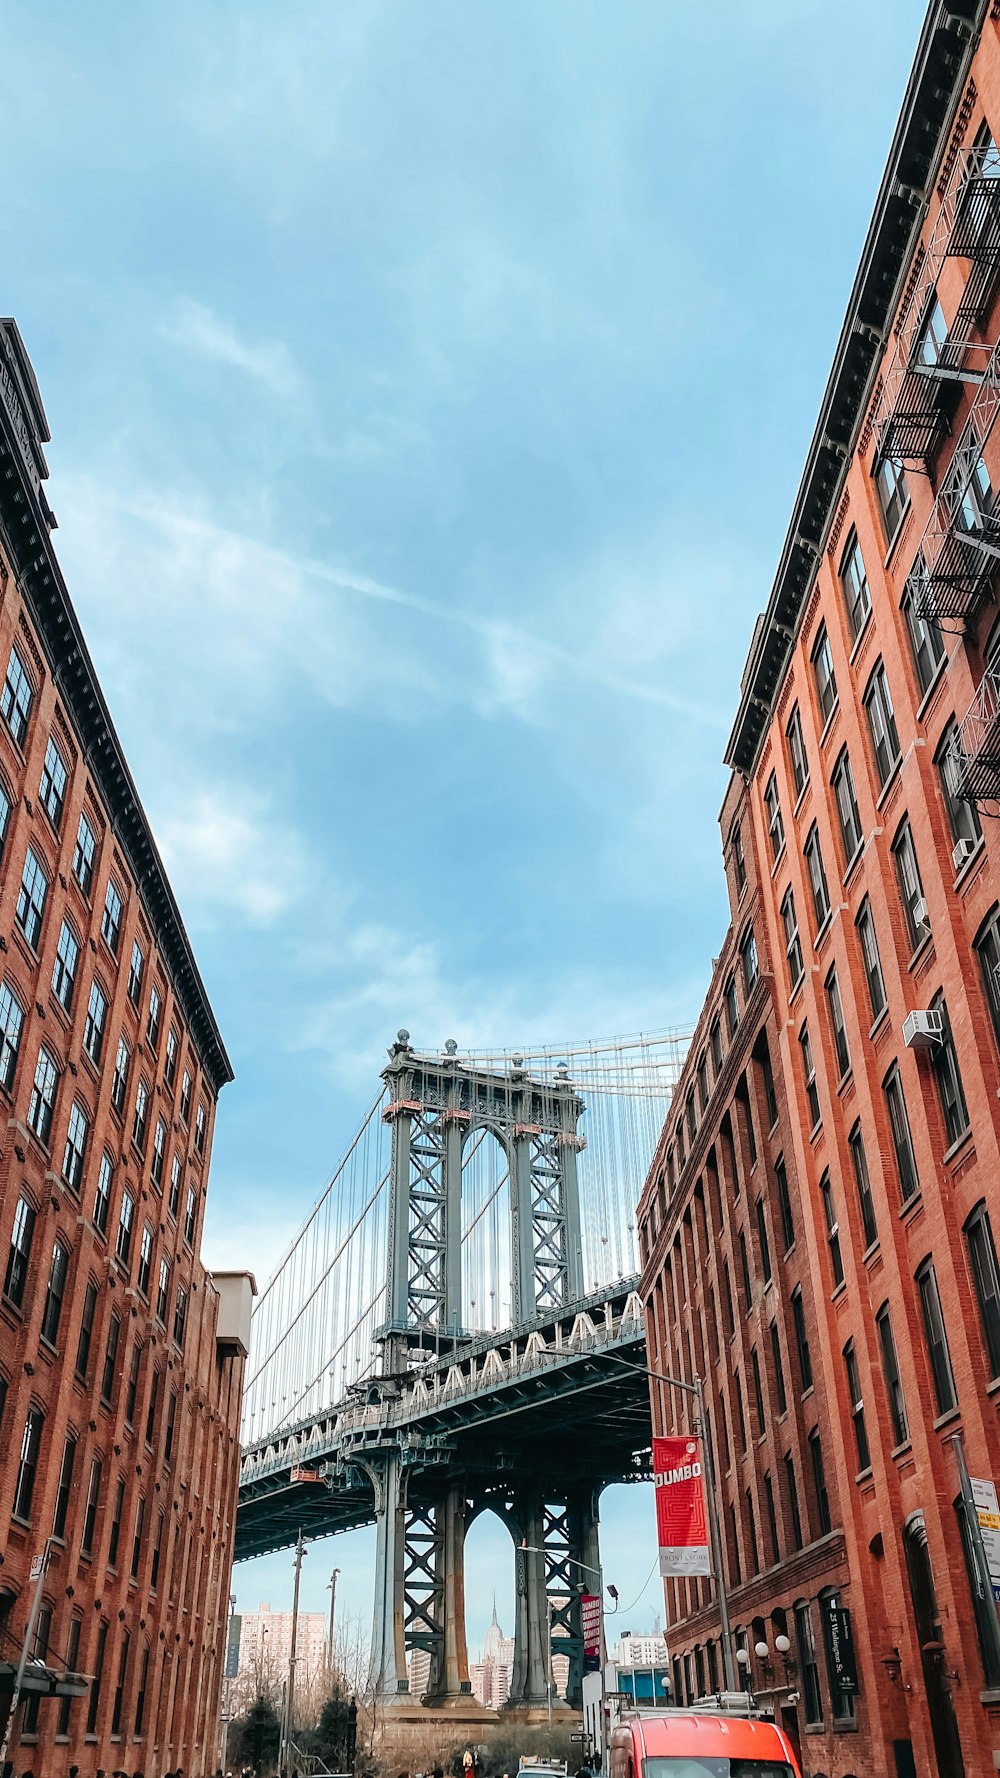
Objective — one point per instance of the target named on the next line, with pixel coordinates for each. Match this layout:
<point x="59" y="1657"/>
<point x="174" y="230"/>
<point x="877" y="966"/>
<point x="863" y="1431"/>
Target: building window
<point x="83" y="855"/>
<point x="739" y="861"/>
<point x="975" y="505"/>
<point x="75" y="1151"/>
<point x="119" y="1694"/>
<point x="52" y="789"/>
<point x="703" y="1081"/>
<point x="120" y="1080"/>
<point x="168" y="1437"/>
<point x="163" y="1291"/>
<point x="102" y="1196"/>
<point x="64" y="1487"/>
<point x="43" y="1096"/>
<point x="140" y="1117"/>
<point x="185" y="1097"/>
<point x="778" y="1369"/>
<point x="963" y="816"/>
<point x="859" y="1160"/>
<point x="745" y="1270"/>
<point x="808" y="1666"/>
<point x="93" y="1703"/>
<point x="180" y="1314"/>
<point x="832" y="1230"/>
<point x="16" y="698"/>
<point x="801" y="1340"/>
<point x="732" y="1007"/>
<point x="727" y="1300"/>
<point x="175" y="1185"/>
<point x="758" y="1393"/>
<point x="911" y="889"/>
<point x="11" y="1025"/>
<point x="857" y="1408"/>
<point x="145" y="1260"/>
<point x="775" y="825"/>
<point x="153" y="1022"/>
<point x="949" y="1081"/>
<point x="837" y="1024"/>
<point x="987" y="949"/>
<point x="791" y="1489"/>
<point x="72" y="1666"/>
<point x="986" y="1281"/>
<point x="5" y="814"/>
<point x="893" y="1383"/>
<point x="170" y="1060"/>
<point x="86" y="1331"/>
<point x="847" y="807"/>
<point x="64" y="969"/>
<point x="31" y="899"/>
<point x="926" y="640"/>
<point x="823" y="1518"/>
<point x="199" y="1130"/>
<point x="154" y="1392"/>
<point x="762" y="1241"/>
<point x="715" y="1041"/>
<point x="793" y="945"/>
<point x="882" y="724"/>
<point x="159" y="1152"/>
<point x="190" y="1215"/>
<point x="111" y="919"/>
<point x="140" y="1515"/>
<point x="890" y="485"/>
<point x="90" y="1512"/>
<point x="689" y="1112"/>
<point x="854" y="583"/>
<point x="110" y="1358"/>
<point x="797" y="751"/>
<point x="123" y="1244"/>
<point x="902" y="1142"/>
<point x="135" y="973"/>
<point x="871" y="960"/>
<point x="826" y="682"/>
<point x="132" y="1392"/>
<point x="945" y="1394"/>
<point x="809" y="1068"/>
<point x="748" y="957"/>
<point x="55" y="1292"/>
<point x="817" y="877"/>
<point x="741" y="1425"/>
<point x="116" y="1523"/>
<point x="772" y="1519"/>
<point x="27" y="1469"/>
<point x="784" y="1203"/>
<point x="763" y="1059"/>
<point x="93" y="1030"/>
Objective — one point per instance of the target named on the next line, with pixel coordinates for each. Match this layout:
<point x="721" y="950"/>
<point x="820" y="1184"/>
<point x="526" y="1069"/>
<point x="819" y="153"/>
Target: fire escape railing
<point x="958" y="559"/>
<point x="975" y="763"/>
<point x="913" y="413"/>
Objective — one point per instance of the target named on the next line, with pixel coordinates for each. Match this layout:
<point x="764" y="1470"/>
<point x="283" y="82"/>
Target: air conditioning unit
<point x="922" y="1030"/>
<point x="920" y="917"/>
<point x="962" y="852"/>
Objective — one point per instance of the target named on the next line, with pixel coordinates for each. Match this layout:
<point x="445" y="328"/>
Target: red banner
<point x="680" y="1506"/>
<point x="590" y="1624"/>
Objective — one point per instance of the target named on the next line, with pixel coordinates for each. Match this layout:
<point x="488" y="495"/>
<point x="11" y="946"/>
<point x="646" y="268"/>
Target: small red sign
<point x="680" y="1506"/>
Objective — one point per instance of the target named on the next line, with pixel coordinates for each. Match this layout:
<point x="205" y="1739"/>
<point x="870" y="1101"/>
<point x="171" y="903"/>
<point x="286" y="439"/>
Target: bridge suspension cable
<point x="314" y="1327"/>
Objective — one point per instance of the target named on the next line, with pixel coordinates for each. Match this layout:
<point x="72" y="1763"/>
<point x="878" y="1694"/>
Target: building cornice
<point x="947" y="44"/>
<point x="26" y="524"/>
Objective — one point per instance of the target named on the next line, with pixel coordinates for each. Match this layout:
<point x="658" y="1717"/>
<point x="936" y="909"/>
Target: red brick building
<point x="863" y="855"/>
<point x="121" y="1359"/>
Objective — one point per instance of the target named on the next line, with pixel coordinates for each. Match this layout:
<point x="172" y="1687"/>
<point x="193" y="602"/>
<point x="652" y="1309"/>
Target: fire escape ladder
<point x="975" y="765"/>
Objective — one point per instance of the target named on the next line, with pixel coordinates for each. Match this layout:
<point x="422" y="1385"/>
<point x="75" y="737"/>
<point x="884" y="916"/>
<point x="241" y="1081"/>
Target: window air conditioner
<point x="922" y="1030"/>
<point x="920" y="913"/>
<point x="962" y="852"/>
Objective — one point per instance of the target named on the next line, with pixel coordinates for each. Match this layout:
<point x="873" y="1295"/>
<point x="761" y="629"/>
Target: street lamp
<point x="332" y="1585"/>
<point x="588" y="1568"/>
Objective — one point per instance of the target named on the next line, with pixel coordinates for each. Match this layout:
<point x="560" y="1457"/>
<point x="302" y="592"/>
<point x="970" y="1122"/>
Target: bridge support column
<point x="388" y="1664"/>
<point x="583" y="1521"/>
<point x="530" y="1677"/>
<point x="450" y="1682"/>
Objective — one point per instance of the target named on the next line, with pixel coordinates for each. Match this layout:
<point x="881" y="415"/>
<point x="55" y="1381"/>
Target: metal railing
<point x="976" y="762"/>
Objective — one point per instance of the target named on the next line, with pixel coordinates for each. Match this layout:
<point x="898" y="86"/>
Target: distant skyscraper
<point x="491" y="1676"/>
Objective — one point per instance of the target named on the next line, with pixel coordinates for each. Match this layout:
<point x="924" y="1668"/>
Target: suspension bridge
<point x="455" y="1329"/>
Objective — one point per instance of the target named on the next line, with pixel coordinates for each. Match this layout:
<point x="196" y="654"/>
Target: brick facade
<point x="872" y="894"/>
<point x="118" y="1407"/>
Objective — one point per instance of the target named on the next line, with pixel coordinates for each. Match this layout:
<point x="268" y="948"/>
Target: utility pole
<point x="38" y="1567"/>
<point x="290" y="1693"/>
<point x="333" y="1602"/>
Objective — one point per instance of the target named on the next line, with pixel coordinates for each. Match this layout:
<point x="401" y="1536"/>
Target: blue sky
<point x="429" y="384"/>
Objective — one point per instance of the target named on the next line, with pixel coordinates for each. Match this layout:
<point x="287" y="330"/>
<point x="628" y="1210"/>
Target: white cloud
<point x="198" y="330"/>
<point x="219" y="847"/>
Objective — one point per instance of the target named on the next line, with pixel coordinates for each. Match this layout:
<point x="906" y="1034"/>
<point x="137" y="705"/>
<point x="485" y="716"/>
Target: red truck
<point x="701" y="1743"/>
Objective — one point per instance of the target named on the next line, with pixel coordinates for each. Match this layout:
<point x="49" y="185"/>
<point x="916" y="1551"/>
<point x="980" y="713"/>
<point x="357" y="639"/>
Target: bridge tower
<point x="436" y="1104"/>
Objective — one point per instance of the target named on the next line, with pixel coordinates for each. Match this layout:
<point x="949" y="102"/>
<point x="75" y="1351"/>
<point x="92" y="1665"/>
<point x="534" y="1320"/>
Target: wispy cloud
<point x="198" y="330"/>
<point x="220" y="848"/>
